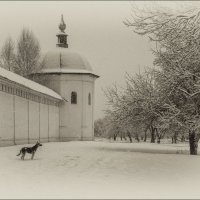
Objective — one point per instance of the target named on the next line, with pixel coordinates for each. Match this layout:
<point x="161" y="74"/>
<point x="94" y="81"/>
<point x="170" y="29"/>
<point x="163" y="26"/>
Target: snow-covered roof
<point x="28" y="83"/>
<point x="68" y="71"/>
<point x="65" y="59"/>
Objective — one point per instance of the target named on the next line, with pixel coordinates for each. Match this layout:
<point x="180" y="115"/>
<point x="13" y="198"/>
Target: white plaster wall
<point x="25" y="121"/>
<point x="76" y="120"/>
<point x="71" y="114"/>
<point x="68" y="121"/>
<point x="21" y="120"/>
<point x="44" y="129"/>
<point x="53" y="123"/>
<point x="33" y="121"/>
<point x="87" y="127"/>
<point x="6" y="119"/>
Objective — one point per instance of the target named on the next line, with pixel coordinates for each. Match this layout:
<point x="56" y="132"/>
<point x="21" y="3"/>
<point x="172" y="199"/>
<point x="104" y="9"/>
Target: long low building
<point x="28" y="111"/>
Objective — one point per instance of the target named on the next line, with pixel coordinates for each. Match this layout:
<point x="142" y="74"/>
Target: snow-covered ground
<point x="101" y="169"/>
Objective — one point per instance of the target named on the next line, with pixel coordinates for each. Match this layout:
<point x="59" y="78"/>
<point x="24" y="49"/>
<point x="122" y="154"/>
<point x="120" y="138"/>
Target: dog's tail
<point x="19" y="153"/>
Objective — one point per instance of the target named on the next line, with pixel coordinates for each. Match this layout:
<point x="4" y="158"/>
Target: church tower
<point x="70" y="75"/>
<point x="62" y="36"/>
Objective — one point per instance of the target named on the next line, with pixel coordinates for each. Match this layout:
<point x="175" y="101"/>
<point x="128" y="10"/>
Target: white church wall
<point x="6" y="119"/>
<point x="33" y="121"/>
<point x="88" y="133"/>
<point x="71" y="114"/>
<point x="21" y="120"/>
<point x="76" y="120"/>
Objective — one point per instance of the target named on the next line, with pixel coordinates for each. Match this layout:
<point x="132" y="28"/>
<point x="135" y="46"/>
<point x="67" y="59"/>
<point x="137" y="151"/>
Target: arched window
<point x="89" y="99"/>
<point x="73" y="98"/>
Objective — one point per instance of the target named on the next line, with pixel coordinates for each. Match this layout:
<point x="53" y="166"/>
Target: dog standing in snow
<point x="30" y="150"/>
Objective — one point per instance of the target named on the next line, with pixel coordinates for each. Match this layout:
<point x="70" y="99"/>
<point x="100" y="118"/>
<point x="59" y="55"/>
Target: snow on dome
<point x="63" y="58"/>
<point x="28" y="83"/>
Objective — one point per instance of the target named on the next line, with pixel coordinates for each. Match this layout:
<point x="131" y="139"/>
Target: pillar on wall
<point x="48" y="122"/>
<point x="14" y="120"/>
<point x="28" y="122"/>
<point x="39" y="121"/>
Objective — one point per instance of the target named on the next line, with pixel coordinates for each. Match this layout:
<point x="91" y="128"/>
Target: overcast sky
<point x="95" y="29"/>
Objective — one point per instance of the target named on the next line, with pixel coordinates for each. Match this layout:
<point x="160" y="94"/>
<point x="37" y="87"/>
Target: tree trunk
<point x="183" y="138"/>
<point x="153" y="138"/>
<point x="115" y="137"/>
<point x="158" y="136"/>
<point x="130" y="138"/>
<point x="193" y="141"/>
<point x="137" y="137"/>
<point x="145" y="136"/>
<point x="175" y="138"/>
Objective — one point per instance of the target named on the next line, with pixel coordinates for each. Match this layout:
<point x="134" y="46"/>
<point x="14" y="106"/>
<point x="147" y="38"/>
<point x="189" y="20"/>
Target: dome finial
<point x="62" y="25"/>
<point x="62" y="36"/>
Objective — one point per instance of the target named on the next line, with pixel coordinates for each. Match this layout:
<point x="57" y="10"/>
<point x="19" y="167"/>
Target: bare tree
<point x="7" y="55"/>
<point x="138" y="106"/>
<point x="28" y="54"/>
<point x="177" y="54"/>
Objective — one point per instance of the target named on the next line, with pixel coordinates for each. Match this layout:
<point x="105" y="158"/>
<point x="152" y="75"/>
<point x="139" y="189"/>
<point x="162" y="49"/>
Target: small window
<point x="89" y="99"/>
<point x="73" y="98"/>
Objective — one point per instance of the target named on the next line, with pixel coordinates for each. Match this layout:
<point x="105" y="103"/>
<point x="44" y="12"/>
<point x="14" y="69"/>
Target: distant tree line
<point x="164" y="100"/>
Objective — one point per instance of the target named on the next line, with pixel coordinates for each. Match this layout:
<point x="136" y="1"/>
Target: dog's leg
<point x="32" y="155"/>
<point x="23" y="156"/>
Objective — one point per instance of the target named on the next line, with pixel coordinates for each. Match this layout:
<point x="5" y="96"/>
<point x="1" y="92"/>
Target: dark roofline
<point x="68" y="73"/>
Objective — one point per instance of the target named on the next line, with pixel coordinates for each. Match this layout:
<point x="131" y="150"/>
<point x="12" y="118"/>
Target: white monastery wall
<point x="34" y="123"/>
<point x="26" y="116"/>
<point x="44" y="123"/>
<point x="21" y="120"/>
<point x="6" y="119"/>
<point x="53" y="124"/>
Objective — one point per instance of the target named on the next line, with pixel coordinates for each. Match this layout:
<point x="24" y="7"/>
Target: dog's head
<point x="39" y="144"/>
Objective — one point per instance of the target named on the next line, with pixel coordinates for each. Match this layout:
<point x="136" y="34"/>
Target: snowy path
<point x="100" y="170"/>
